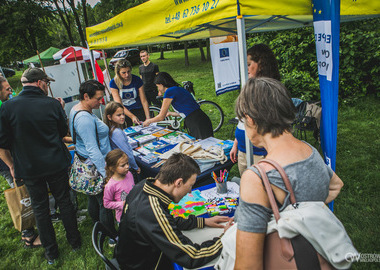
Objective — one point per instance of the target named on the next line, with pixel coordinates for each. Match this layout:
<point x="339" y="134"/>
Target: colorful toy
<point x="221" y="206"/>
<point x="192" y="204"/>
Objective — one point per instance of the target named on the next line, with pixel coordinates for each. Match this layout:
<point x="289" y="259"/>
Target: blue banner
<point x="326" y="16"/>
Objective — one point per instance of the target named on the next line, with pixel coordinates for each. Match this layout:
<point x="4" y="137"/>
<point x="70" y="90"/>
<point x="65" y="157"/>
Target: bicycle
<point x="213" y="111"/>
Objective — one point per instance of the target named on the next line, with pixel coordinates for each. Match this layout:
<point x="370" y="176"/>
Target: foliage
<point x="357" y="165"/>
<point x="24" y="28"/>
<point x="359" y="58"/>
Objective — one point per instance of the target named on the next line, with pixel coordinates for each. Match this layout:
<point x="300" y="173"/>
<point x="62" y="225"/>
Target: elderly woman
<point x="92" y="143"/>
<point x="265" y="107"/>
<point x="184" y="104"/>
<point x="127" y="89"/>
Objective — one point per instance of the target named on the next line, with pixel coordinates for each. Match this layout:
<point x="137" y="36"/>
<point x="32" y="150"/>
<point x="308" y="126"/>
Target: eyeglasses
<point x="47" y="82"/>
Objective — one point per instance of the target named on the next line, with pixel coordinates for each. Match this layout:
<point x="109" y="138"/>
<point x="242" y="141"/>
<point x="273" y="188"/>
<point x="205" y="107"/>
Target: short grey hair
<point x="268" y="103"/>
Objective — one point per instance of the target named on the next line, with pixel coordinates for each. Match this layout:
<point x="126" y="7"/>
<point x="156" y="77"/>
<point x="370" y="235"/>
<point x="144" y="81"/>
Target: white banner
<point x="66" y="79"/>
<point x="323" y="42"/>
<point x="225" y="63"/>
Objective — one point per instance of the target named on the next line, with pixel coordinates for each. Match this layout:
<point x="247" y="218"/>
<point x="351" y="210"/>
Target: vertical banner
<point x="225" y="63"/>
<point x="326" y="16"/>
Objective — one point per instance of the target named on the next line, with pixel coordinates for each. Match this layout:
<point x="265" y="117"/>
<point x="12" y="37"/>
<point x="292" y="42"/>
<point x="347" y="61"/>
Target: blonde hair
<point x="110" y="109"/>
<point x="112" y="161"/>
<point x="122" y="63"/>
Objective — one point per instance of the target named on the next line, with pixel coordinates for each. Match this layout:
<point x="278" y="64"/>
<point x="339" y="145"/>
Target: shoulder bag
<point x="85" y="178"/>
<point x="307" y="235"/>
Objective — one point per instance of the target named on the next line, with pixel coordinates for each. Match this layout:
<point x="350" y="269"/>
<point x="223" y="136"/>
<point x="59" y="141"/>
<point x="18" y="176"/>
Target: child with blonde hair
<point x="119" y="181"/>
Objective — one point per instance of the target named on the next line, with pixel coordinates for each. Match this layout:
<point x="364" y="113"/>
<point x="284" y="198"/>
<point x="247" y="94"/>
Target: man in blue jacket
<point x="32" y="126"/>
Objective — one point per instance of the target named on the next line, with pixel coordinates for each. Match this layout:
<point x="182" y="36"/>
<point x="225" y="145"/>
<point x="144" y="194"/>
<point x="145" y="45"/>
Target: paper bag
<point x="20" y="207"/>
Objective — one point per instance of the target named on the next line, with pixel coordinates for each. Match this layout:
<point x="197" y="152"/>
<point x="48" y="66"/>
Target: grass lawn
<point x="358" y="165"/>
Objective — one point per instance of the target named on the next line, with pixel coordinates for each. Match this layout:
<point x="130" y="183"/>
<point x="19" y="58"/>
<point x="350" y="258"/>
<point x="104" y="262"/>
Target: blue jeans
<point x="59" y="187"/>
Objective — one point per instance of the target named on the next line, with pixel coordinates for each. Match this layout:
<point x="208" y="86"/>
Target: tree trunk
<point x="187" y="63"/>
<point x="77" y="20"/>
<point x="84" y="3"/>
<point x="66" y="24"/>
<point x="208" y="49"/>
<point x="162" y="52"/>
<point x="203" y="58"/>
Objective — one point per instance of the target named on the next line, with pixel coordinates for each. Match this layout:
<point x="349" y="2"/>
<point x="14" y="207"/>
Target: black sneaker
<point x="50" y="261"/>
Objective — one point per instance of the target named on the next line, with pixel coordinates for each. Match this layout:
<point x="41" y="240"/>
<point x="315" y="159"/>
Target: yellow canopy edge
<point x="159" y="21"/>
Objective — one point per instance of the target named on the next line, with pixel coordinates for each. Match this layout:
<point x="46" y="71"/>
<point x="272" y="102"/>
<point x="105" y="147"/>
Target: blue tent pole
<point x="326" y="16"/>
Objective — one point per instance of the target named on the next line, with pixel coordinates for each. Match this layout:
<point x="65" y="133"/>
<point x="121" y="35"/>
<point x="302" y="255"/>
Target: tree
<point x="187" y="62"/>
<point x="23" y="25"/>
<point x="63" y="15"/>
<point x="200" y="44"/>
<point x="78" y="22"/>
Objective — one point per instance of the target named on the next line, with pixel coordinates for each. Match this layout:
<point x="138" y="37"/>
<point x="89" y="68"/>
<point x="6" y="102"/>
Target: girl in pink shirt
<point x="119" y="181"/>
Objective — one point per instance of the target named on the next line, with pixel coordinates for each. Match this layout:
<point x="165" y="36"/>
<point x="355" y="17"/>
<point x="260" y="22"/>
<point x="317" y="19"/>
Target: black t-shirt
<point x="148" y="73"/>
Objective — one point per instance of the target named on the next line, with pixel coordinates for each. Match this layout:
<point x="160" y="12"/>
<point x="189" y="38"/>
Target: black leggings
<point x="199" y="125"/>
<point x="139" y="113"/>
<point x="98" y="212"/>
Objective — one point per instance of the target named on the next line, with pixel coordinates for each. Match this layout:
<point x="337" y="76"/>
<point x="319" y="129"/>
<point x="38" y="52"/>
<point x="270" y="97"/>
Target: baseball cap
<point x="33" y="75"/>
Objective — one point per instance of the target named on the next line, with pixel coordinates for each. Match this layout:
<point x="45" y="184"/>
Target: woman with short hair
<point x="265" y="107"/>
<point x="127" y="89"/>
<point x="91" y="138"/>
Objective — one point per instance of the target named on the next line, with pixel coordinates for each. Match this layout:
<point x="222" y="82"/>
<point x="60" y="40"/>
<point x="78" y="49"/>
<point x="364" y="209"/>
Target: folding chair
<point x="99" y="235"/>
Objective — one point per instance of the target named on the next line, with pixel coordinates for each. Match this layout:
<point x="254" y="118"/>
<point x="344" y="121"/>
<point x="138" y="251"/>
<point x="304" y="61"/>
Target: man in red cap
<point x="32" y="126"/>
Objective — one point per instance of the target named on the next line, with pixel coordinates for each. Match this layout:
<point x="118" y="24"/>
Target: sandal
<point x="27" y="234"/>
<point x="30" y="243"/>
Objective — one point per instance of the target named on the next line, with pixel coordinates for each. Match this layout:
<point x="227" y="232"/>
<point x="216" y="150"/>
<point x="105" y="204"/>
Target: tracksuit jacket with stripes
<point x="151" y="238"/>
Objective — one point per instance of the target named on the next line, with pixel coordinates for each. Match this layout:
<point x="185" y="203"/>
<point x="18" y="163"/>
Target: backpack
<point x="308" y="117"/>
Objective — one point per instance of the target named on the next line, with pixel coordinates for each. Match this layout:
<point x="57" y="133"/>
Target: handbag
<point x="20" y="207"/>
<point x="85" y="178"/>
<point x="298" y="251"/>
<point x="293" y="239"/>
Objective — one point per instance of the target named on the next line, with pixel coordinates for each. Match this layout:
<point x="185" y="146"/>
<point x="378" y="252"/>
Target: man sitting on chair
<point x="149" y="236"/>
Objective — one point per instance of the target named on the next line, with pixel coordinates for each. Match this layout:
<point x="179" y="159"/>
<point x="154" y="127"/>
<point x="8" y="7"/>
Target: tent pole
<point x="43" y="68"/>
<point x="92" y="61"/>
<point x="76" y="63"/>
<point x="240" y="24"/>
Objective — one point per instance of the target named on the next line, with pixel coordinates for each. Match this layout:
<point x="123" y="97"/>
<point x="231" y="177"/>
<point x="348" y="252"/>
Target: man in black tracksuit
<point x="151" y="238"/>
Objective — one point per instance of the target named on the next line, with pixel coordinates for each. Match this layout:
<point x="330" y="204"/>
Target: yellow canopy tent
<point x="162" y="21"/>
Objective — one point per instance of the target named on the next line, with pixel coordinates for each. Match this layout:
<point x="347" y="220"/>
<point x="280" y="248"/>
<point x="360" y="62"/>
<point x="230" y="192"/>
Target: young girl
<point x="119" y="181"/>
<point x="114" y="118"/>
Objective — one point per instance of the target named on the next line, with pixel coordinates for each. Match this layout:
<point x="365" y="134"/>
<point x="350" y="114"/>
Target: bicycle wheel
<point x="214" y="112"/>
<point x="171" y="121"/>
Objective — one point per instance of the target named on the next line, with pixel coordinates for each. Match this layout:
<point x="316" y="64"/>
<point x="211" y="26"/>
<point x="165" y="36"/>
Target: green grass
<point x="358" y="163"/>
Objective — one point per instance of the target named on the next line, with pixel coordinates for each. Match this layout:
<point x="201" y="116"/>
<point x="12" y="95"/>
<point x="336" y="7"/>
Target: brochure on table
<point x="149" y="143"/>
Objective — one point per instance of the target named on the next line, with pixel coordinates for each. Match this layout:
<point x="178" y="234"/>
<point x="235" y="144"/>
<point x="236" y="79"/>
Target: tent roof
<point x="46" y="55"/>
<point x="178" y="20"/>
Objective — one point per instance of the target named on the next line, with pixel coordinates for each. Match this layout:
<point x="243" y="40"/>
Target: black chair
<point x="99" y="235"/>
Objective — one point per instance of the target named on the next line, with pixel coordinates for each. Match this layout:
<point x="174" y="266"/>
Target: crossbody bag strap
<point x="269" y="191"/>
<point x="286" y="245"/>
<point x="284" y="177"/>
<point x="75" y="133"/>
